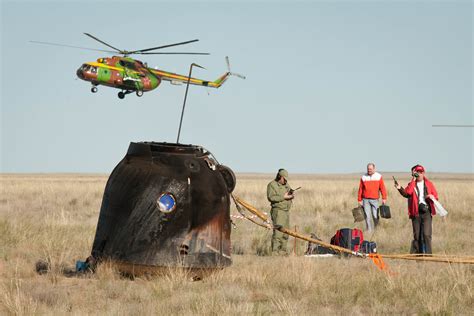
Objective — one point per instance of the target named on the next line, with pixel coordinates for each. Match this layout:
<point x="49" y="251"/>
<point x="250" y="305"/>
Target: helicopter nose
<point x="80" y="73"/>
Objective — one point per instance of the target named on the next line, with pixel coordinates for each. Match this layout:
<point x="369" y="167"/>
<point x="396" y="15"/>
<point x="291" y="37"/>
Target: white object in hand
<point x="440" y="210"/>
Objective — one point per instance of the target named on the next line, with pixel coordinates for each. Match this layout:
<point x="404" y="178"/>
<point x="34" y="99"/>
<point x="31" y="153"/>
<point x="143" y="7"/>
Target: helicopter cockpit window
<point x="93" y="70"/>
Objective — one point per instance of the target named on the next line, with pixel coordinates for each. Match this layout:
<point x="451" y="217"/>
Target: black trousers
<point x="422" y="230"/>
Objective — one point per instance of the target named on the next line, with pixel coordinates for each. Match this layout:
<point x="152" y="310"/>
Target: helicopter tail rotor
<point x="220" y="81"/>
<point x="230" y="72"/>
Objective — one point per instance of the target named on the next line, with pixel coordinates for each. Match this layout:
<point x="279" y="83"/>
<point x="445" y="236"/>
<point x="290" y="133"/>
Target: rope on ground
<point x="242" y="217"/>
<point x="376" y="258"/>
<point x="379" y="263"/>
<point x="251" y="218"/>
<point x="239" y="202"/>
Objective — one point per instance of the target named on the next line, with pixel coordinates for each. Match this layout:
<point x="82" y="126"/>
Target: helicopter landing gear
<point x="122" y="94"/>
<point x="94" y="89"/>
<point x="139" y="93"/>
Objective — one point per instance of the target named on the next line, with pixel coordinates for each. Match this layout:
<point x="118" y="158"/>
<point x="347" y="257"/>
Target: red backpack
<point x="348" y="238"/>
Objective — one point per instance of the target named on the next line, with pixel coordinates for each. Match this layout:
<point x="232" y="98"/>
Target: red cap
<point x="419" y="168"/>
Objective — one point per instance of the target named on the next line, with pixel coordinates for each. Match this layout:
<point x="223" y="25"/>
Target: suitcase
<point x="358" y="213"/>
<point x="368" y="247"/>
<point x="348" y="238"/>
<point x="384" y="211"/>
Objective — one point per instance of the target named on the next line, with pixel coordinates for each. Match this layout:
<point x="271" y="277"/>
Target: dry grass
<point x="53" y="217"/>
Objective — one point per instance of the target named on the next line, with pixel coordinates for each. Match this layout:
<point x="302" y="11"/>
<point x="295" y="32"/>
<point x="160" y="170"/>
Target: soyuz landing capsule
<point x="166" y="205"/>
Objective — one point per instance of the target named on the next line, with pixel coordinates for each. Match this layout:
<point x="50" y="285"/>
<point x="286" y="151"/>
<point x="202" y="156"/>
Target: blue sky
<point x="330" y="85"/>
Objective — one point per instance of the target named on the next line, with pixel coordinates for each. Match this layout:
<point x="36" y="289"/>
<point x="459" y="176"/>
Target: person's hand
<point x="431" y="197"/>
<point x="360" y="203"/>
<point x="384" y="201"/>
<point x="288" y="196"/>
<point x="398" y="186"/>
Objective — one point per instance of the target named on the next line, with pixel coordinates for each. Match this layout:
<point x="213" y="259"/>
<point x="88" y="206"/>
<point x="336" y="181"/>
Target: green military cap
<point x="283" y="173"/>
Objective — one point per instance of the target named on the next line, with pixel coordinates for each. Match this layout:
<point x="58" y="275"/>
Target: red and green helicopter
<point x="131" y="75"/>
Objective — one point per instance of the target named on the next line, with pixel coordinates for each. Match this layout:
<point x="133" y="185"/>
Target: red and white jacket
<point x="370" y="186"/>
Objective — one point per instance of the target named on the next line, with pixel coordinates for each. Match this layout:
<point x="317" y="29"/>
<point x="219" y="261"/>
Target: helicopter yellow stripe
<point x="93" y="63"/>
<point x="172" y="76"/>
<point x="176" y="76"/>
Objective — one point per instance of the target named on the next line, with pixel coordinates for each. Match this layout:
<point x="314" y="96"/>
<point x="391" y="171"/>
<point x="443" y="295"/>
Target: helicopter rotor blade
<point x="237" y="75"/>
<point x="71" y="46"/>
<point x="227" y="62"/>
<point x="451" y="125"/>
<point x="93" y="37"/>
<point x="170" y="53"/>
<point x="160" y="47"/>
<point x="124" y="52"/>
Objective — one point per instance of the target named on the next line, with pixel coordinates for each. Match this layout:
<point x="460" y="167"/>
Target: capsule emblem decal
<point x="166" y="202"/>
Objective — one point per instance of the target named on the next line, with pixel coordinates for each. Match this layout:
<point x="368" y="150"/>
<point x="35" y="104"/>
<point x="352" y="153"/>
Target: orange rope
<point x="376" y="258"/>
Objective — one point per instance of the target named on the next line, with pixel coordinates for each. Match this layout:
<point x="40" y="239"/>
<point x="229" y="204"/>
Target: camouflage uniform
<point x="280" y="214"/>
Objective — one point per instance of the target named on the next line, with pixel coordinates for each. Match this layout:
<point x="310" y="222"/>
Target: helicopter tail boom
<point x="219" y="81"/>
<point x="177" y="79"/>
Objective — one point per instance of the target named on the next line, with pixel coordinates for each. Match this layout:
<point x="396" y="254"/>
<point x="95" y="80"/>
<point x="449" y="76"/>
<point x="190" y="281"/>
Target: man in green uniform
<point x="278" y="193"/>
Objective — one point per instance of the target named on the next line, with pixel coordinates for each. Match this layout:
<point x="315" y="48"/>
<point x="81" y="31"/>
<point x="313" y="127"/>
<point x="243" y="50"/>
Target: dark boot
<point x="376" y="221"/>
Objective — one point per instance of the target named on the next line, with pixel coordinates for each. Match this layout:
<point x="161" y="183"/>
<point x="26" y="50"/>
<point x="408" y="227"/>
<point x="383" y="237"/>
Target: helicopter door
<point x="131" y="80"/>
<point x="128" y="79"/>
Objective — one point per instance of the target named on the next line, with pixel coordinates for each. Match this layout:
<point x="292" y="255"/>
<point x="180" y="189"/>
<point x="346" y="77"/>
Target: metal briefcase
<point x="384" y="211"/>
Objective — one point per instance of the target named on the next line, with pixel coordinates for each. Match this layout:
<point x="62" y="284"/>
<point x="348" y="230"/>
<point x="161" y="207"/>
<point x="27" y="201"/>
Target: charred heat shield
<point x="166" y="205"/>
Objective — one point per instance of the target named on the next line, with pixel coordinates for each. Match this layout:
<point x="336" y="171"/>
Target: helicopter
<point x="132" y="75"/>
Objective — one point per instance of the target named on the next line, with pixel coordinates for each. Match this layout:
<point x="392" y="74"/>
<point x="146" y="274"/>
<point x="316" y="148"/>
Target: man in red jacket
<point x="370" y="185"/>
<point x="421" y="193"/>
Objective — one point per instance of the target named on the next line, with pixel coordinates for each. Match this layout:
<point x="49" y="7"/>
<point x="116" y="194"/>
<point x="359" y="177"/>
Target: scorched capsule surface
<point x="166" y="205"/>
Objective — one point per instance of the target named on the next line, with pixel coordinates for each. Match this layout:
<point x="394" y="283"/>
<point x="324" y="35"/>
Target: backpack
<point x="368" y="247"/>
<point x="348" y="238"/>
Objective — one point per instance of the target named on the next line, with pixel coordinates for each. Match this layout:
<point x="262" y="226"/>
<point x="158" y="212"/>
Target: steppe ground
<point x="53" y="217"/>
